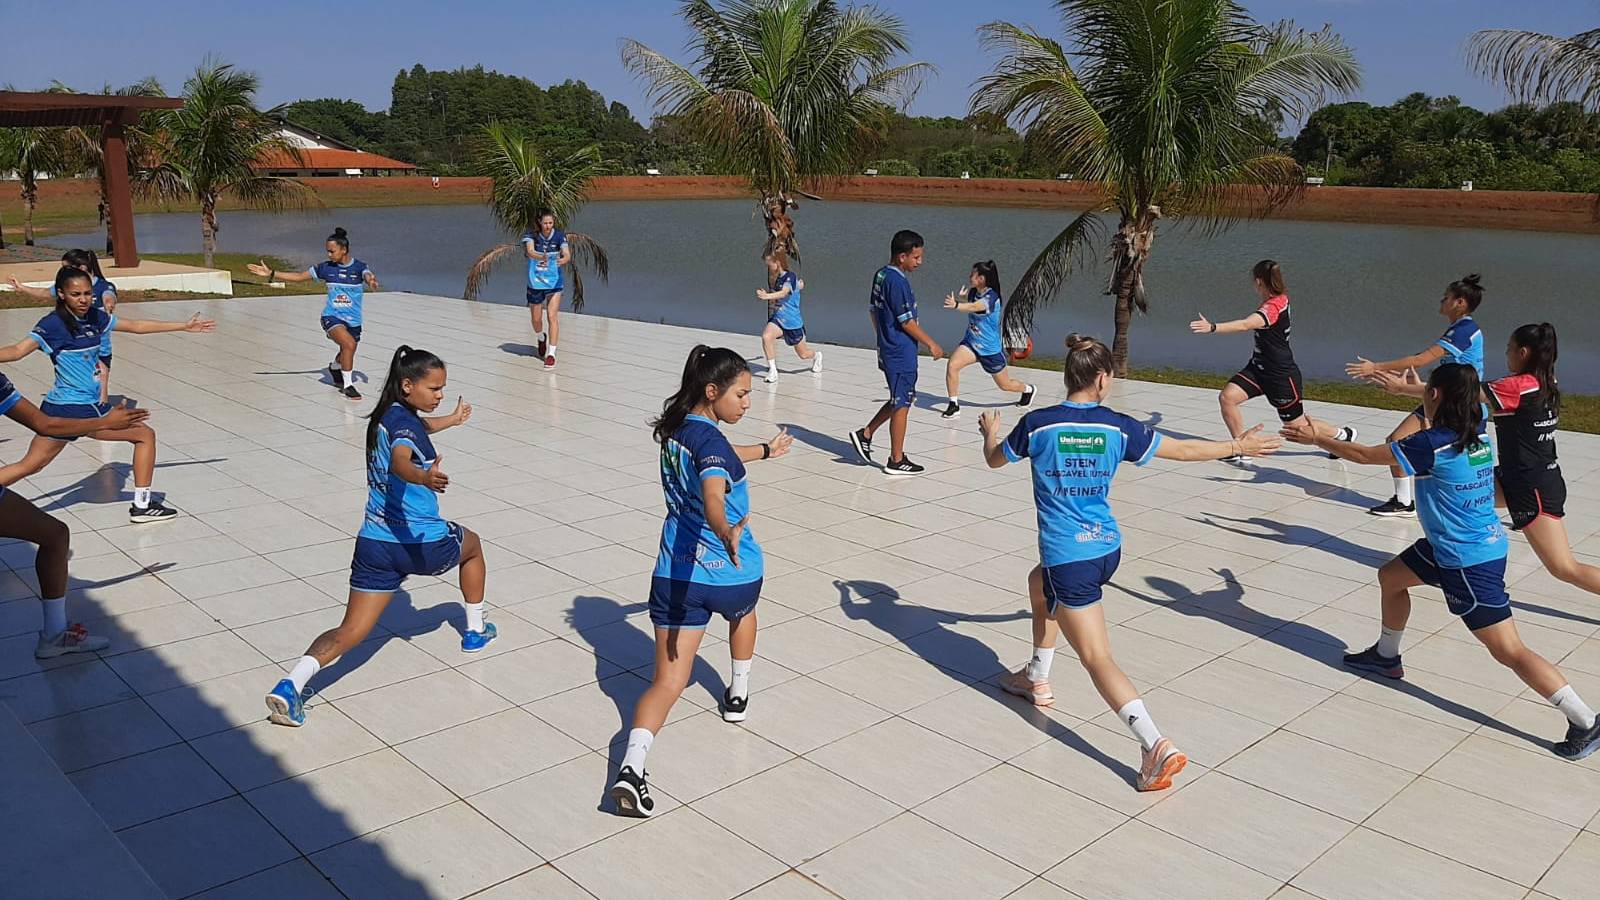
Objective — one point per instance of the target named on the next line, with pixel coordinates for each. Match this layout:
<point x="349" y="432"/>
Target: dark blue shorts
<point x="73" y="411"/>
<point x="689" y="604"/>
<point x="1078" y="584"/>
<point x="902" y="387"/>
<point x="993" y="363"/>
<point x="1477" y="593"/>
<point x="380" y="566"/>
<point x="538" y="296"/>
<point x="791" y="336"/>
<point x="329" y="323"/>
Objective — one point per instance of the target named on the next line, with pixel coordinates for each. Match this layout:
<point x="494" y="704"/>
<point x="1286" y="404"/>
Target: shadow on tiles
<point x="879" y="604"/>
<point x="322" y="374"/>
<point x="1225" y="606"/>
<point x="212" y="838"/>
<point x="107" y="484"/>
<point x="1298" y="536"/>
<point x="827" y="443"/>
<point x="402" y="621"/>
<point x="516" y="349"/>
<point x="1311" y="487"/>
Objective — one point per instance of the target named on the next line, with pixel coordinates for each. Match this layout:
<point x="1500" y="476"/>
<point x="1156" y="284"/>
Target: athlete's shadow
<point x="1298" y="536"/>
<point x="922" y="630"/>
<point x="401" y="620"/>
<point x="1225" y="605"/>
<point x="516" y="349"/>
<point x="107" y="483"/>
<point x="1310" y="486"/>
<point x="322" y="375"/>
<point x="841" y="449"/>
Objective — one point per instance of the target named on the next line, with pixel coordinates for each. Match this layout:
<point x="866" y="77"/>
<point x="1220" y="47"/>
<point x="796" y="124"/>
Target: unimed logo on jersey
<point x="1081" y="443"/>
<point x="1482" y="456"/>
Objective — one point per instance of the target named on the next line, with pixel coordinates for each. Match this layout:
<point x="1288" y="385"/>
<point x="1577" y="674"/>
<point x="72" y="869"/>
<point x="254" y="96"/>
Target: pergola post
<point x="119" y="194"/>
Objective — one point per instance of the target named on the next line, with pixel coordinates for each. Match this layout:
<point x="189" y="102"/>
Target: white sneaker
<point x="816" y="363"/>
<point x="75" y="639"/>
<point x="772" y="376"/>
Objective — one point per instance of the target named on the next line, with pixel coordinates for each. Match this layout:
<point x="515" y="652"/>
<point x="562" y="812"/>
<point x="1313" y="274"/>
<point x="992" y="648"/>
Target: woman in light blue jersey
<point x="348" y="280"/>
<point x="1463" y="548"/>
<point x="105" y="298"/>
<point x="403" y="532"/>
<point x="1074" y="449"/>
<point x="709" y="561"/>
<point x="981" y="343"/>
<point x="783" y="298"/>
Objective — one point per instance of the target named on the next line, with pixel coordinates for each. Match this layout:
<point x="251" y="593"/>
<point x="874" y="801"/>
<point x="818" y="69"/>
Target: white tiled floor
<point x="879" y="760"/>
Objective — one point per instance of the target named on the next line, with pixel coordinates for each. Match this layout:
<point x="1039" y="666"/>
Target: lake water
<point x="1371" y="290"/>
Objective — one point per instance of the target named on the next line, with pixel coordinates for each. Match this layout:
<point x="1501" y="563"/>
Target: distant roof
<point x="332" y="159"/>
<point x="315" y="134"/>
<point x="34" y="110"/>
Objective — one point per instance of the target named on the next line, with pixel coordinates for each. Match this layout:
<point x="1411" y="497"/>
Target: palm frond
<point x="1539" y="68"/>
<point x="478" y="274"/>
<point x="586" y="254"/>
<point x="1051" y="268"/>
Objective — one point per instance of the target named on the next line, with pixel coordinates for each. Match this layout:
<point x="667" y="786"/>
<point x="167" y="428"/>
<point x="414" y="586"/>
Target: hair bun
<point x="1473" y="280"/>
<point x="340" y="232"/>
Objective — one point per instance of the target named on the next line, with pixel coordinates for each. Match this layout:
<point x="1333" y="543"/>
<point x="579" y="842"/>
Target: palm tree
<point x="786" y="92"/>
<point x="1159" y="101"/>
<point x="525" y="183"/>
<point x="1540" y="68"/>
<point x="31" y="152"/>
<point x="210" y="147"/>
<point x="87" y="153"/>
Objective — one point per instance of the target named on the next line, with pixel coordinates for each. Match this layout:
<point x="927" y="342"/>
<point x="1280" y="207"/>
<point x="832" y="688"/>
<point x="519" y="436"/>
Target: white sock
<point x="1573" y="707"/>
<point x="1402" y="490"/>
<point x="1139" y="722"/>
<point x="954" y="399"/>
<point x="539" y="336"/>
<point x="1039" y="665"/>
<point x="1389" y="641"/>
<point x="475" y="616"/>
<point x="816" y="361"/>
<point x="551" y="350"/>
<point x="55" y="615"/>
<point x="347" y="376"/>
<point x="739" y="685"/>
<point x="772" y="364"/>
<point x="141" y="496"/>
<point x="303" y="672"/>
<point x="639" y="741"/>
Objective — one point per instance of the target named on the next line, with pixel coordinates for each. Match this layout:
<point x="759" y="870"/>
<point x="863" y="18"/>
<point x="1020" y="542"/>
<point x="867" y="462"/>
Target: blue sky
<point x="353" y="48"/>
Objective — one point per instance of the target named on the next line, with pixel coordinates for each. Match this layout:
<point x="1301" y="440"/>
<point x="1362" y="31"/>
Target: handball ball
<point x="1021" y="353"/>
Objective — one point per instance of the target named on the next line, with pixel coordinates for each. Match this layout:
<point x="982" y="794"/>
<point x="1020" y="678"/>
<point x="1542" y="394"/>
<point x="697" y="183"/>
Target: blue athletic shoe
<point x="284" y="706"/>
<point x="473" y="641"/>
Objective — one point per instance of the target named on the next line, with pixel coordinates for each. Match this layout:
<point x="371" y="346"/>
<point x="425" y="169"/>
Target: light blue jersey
<point x="1455" y="497"/>
<point x="1463" y="344"/>
<point x="690" y="550"/>
<point x="346" y="284"/>
<point x="1075" y="449"/>
<point x="983" y="328"/>
<point x="397" y="510"/>
<point x="787" y="312"/>
<point x="75" y="351"/>
<point x="545" y="274"/>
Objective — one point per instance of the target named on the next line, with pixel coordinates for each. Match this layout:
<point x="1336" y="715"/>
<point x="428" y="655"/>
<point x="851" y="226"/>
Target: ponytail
<point x="990" y="273"/>
<point x="86" y="260"/>
<point x="1270" y="274"/>
<point x="1087" y="358"/>
<point x="706" y="365"/>
<point x="1540" y="342"/>
<point x="1460" y="404"/>
<point x="406" y="364"/>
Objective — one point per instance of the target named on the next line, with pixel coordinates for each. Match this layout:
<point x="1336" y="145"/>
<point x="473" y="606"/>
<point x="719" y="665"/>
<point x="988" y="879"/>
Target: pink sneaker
<point x="1037" y="691"/>
<point x="549" y="362"/>
<point x="1159" y="764"/>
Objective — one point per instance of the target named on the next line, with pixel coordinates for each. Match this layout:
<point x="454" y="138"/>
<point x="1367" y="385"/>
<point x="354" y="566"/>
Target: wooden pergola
<point x="112" y="115"/>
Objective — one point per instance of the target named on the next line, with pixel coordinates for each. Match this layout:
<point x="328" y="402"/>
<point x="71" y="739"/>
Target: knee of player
<point x="56" y="534"/>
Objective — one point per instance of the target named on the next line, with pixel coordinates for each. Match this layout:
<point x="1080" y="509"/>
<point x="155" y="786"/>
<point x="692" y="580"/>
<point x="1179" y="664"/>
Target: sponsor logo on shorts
<point x="1081" y="443"/>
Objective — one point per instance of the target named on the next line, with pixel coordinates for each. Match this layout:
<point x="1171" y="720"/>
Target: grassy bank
<point x="1579" y="412"/>
<point x="244" y="283"/>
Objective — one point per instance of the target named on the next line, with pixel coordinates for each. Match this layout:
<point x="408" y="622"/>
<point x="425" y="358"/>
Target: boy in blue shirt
<point x="893" y="308"/>
<point x="547" y="252"/>
<point x="784" y="290"/>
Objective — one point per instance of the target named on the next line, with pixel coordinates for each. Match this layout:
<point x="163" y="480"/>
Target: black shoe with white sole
<point x="902" y="466"/>
<point x="1393" y="508"/>
<point x="1347" y="433"/>
<point x="632" y="795"/>
<point x="951" y="411"/>
<point x="350" y="393"/>
<point x="1580" y="743"/>
<point x="733" y="708"/>
<point x="1027" y="396"/>
<point x="155" y="512"/>
<point x="863" y="445"/>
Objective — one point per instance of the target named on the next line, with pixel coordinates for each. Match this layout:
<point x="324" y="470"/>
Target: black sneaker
<point x="1347" y="433"/>
<point x="350" y="393"/>
<point x="338" y="379"/>
<point x="1579" y="743"/>
<point x="951" y="411"/>
<point x="543" y="345"/>
<point x="155" y="512"/>
<point x="1027" y="396"/>
<point x="733" y="708"/>
<point x="863" y="445"/>
<point x="1370" y="660"/>
<point x="1393" y="508"/>
<point x="903" y="466"/>
<point x="632" y="795"/>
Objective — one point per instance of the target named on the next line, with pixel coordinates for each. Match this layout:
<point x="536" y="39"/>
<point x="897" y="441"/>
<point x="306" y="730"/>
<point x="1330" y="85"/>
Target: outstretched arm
<point x="1251" y="443"/>
<point x="18" y="350"/>
<point x="271" y="274"/>
<point x="34" y="419"/>
<point x="1202" y="325"/>
<point x="35" y="293"/>
<point x="1365" y="368"/>
<point x="195" y="325"/>
<point x="1306" y="432"/>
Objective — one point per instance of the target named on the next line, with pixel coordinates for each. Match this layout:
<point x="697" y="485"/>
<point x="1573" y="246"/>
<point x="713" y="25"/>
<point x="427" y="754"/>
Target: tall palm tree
<point x="1160" y="102"/>
<point x="210" y="145"/>
<point x="140" y="139"/>
<point x="782" y="92"/>
<point x="31" y="152"/>
<point x="525" y="183"/>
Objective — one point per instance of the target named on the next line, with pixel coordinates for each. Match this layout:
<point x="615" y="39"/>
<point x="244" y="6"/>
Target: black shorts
<point x="1282" y="388"/>
<point x="1529" y="497"/>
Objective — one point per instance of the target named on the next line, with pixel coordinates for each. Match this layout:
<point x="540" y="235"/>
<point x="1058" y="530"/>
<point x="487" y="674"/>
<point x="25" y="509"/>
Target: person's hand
<point x="15" y="284"/>
<point x="1302" y="431"/>
<point x="198" y="324"/>
<point x="1201" y="325"/>
<point x="1254" y="443"/>
<point x="780" y="444"/>
<point x="760" y="294"/>
<point x="260" y="268"/>
<point x="435" y="479"/>
<point x="463" y="412"/>
<point x="936" y="350"/>
<point x="989" y="424"/>
<point x="730" y="539"/>
<point x="950" y="300"/>
<point x="1361" y="368"/>
<point x="120" y="416"/>
<point x="371" y="280"/>
<point x="799" y="284"/>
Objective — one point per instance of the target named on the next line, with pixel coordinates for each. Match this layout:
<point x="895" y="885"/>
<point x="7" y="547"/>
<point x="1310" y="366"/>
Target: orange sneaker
<point x="1037" y="691"/>
<point x="1160" y="763"/>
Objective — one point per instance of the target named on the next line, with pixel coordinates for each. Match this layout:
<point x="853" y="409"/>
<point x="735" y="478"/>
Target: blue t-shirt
<point x="787" y="312"/>
<point x="893" y="304"/>
<point x="1455" y="497"/>
<point x="545" y="275"/>
<point x="983" y="328"/>
<point x="346" y="284"/>
<point x="1075" y="449"/>
<point x="1463" y="344"/>
<point x="397" y="510"/>
<point x="8" y="395"/>
<point x="75" y="352"/>
<point x="690" y="550"/>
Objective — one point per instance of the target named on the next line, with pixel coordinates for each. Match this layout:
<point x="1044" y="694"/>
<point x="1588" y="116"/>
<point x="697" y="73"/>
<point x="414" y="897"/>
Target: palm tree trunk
<point x="105" y="214"/>
<point x="30" y="199"/>
<point x="208" y="227"/>
<point x="1122" y="318"/>
<point x="1130" y="248"/>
